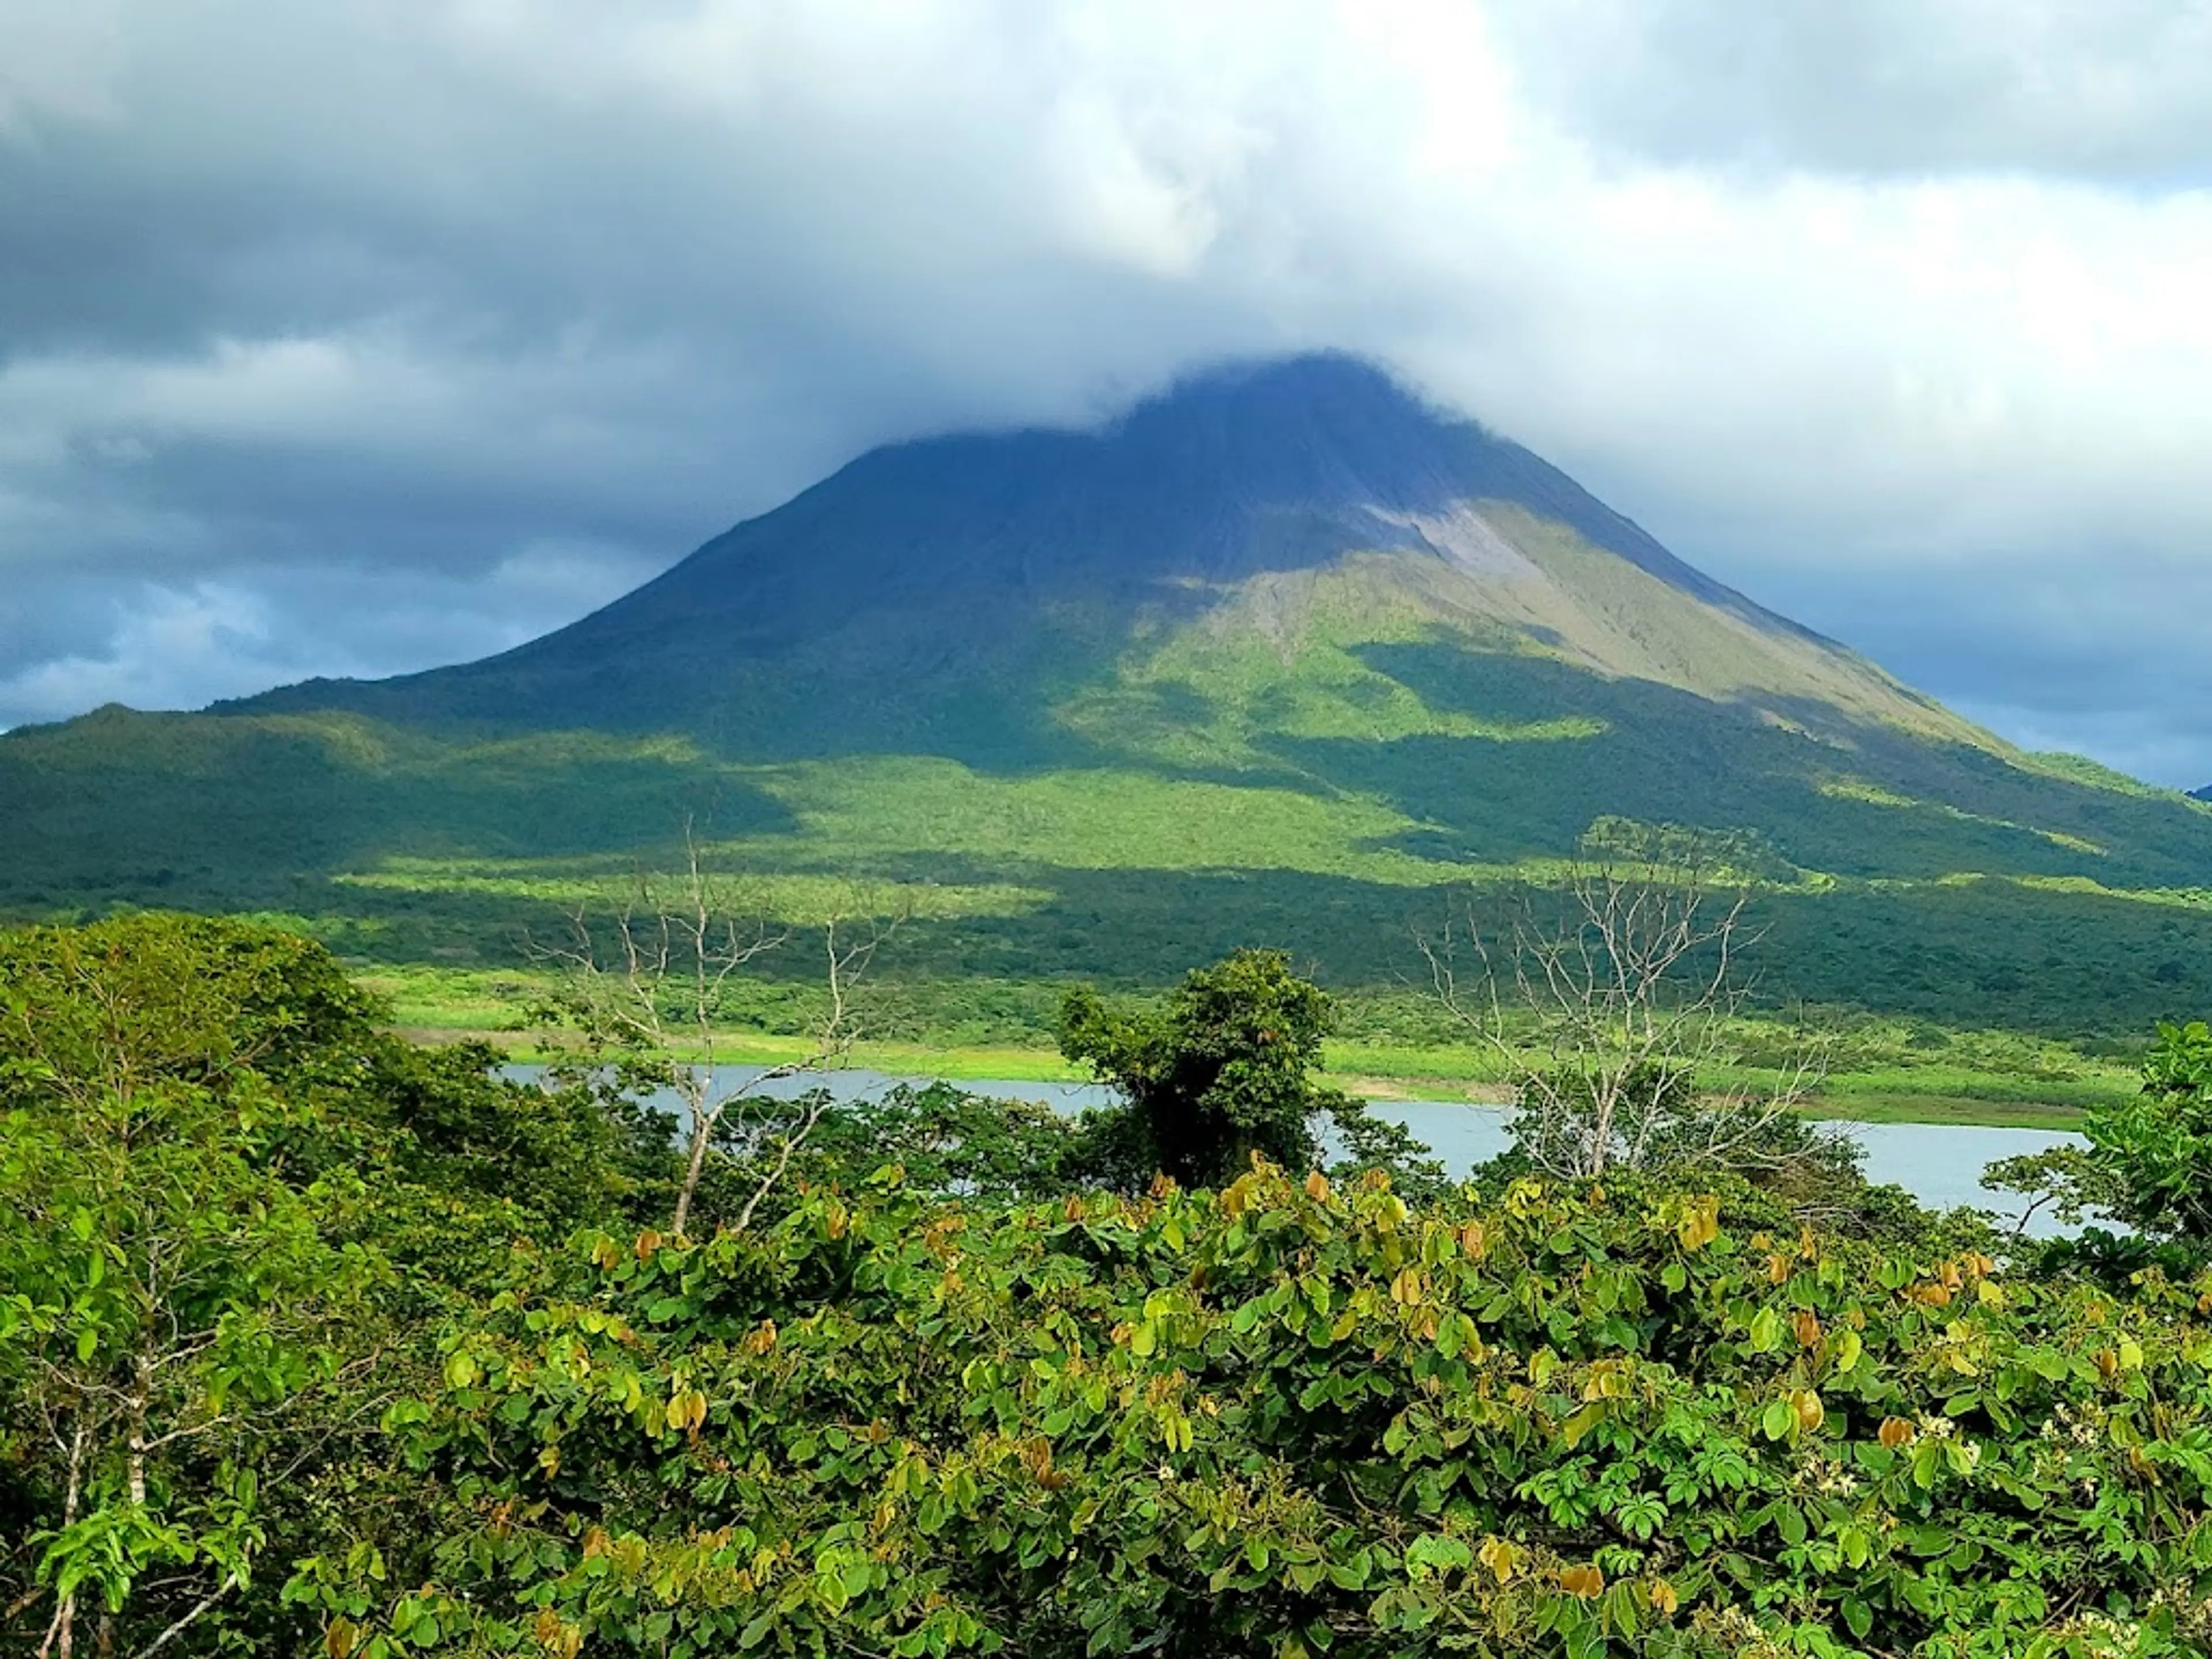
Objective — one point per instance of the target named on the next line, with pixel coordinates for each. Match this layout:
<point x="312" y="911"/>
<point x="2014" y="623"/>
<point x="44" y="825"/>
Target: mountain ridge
<point x="1250" y="473"/>
<point x="1282" y="655"/>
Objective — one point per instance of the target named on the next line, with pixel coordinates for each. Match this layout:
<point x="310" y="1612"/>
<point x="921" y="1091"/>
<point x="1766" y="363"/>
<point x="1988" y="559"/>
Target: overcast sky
<point x="357" y="336"/>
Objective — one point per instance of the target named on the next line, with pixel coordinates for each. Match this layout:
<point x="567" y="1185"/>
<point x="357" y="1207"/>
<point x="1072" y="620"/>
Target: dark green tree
<point x="1222" y="1070"/>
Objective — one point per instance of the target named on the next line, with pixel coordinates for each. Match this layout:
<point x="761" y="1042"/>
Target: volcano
<point x="1283" y="655"/>
<point x="1279" y="501"/>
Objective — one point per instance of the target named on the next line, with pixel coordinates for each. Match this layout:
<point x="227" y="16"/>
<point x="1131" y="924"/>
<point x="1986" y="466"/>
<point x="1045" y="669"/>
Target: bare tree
<point x="1606" y="1000"/>
<point x="645" y="988"/>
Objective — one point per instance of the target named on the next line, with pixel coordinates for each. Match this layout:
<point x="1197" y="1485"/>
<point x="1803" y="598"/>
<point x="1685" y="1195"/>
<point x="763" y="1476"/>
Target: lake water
<point x="1939" y="1164"/>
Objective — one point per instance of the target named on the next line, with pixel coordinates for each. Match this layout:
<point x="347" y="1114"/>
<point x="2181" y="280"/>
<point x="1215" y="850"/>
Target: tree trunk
<point x="61" y="1635"/>
<point x="142" y="1404"/>
<point x="702" y="1131"/>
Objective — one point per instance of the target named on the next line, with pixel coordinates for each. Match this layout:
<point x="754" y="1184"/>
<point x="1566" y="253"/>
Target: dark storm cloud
<point x="356" y="335"/>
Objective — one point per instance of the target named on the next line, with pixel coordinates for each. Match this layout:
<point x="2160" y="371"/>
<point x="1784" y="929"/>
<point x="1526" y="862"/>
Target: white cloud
<point x="1887" y="312"/>
<point x="61" y="60"/>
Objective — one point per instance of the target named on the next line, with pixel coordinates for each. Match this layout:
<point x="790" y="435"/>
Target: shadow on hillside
<point x="1669" y="756"/>
<point x="235" y="813"/>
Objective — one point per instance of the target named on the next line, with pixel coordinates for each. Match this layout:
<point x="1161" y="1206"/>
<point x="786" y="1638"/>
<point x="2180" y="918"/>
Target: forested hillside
<point x="1283" y="656"/>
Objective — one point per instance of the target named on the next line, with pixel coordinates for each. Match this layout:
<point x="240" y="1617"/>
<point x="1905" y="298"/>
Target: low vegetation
<point x="314" y="1341"/>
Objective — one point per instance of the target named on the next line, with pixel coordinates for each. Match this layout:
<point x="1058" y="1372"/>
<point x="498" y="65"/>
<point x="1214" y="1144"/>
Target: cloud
<point x="318" y="325"/>
<point x="2112" y="91"/>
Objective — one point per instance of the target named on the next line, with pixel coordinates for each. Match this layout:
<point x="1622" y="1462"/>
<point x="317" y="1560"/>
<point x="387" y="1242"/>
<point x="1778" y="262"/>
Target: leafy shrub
<point x="1221" y="1074"/>
<point x="1291" y="1418"/>
<point x="2156" y="1148"/>
<point x="2148" y="1165"/>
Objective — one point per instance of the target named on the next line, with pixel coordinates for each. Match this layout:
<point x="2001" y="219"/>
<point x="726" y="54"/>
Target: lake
<point x="1939" y="1164"/>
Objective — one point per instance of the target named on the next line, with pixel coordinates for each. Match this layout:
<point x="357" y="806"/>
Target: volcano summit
<point x="1274" y="657"/>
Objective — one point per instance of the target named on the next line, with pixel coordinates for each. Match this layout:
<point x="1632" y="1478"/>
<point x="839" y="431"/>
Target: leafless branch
<point x="229" y="1584"/>
<point x="653" y="981"/>
<point x="1604" y="1001"/>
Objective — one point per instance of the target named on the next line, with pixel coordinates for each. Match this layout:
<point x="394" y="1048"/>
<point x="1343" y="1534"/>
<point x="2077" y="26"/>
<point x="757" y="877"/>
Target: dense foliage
<point x="2151" y="1155"/>
<point x="1289" y="1418"/>
<point x="2147" y="1168"/>
<point x="173" y="1307"/>
<point x="232" y="1216"/>
<point x="313" y="1342"/>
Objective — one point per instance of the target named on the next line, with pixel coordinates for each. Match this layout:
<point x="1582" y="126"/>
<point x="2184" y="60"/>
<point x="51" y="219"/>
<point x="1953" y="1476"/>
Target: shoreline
<point x="1847" y="1099"/>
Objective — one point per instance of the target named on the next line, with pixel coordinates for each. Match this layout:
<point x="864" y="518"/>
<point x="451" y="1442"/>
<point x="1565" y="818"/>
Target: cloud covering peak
<point x="357" y="337"/>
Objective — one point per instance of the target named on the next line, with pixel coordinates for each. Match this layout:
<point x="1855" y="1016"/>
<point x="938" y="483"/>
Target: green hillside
<point x="1282" y="659"/>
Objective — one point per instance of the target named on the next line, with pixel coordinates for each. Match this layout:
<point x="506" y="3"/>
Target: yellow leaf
<point x="1700" y="1224"/>
<point x="1500" y="1557"/>
<point x="1587" y="1583"/>
<point x="1663" y="1599"/>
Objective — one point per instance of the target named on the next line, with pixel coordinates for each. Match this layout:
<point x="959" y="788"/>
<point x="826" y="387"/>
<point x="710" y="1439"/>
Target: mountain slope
<point x="1237" y="498"/>
<point x="1273" y="658"/>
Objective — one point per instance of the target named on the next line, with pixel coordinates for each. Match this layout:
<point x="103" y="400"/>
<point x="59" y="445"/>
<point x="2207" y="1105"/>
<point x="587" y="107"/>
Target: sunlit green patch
<point x="1859" y="789"/>
<point x="1272" y="660"/>
<point x="2093" y="774"/>
<point x="2072" y="844"/>
<point x="790" y="897"/>
<point x="1873" y="795"/>
<point x="2178" y="898"/>
<point x="876" y="807"/>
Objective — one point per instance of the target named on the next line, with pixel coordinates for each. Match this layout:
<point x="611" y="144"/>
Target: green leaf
<point x="1439" y="1551"/>
<point x="1858" y="1617"/>
<point x="1451" y="1335"/>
